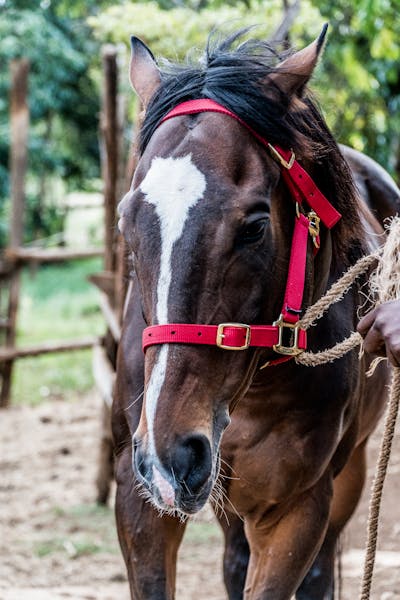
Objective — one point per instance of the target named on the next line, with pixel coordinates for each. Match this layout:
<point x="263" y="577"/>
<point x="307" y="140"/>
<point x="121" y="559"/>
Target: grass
<point x="57" y="302"/>
<point x="200" y="532"/>
<point x="86" y="529"/>
<point x="74" y="549"/>
<point x="80" y="530"/>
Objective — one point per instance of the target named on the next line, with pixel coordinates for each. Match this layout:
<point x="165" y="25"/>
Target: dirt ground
<point x="55" y="543"/>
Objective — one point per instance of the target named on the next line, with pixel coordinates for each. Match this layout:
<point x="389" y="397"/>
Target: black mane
<point x="234" y="75"/>
<point x="231" y="76"/>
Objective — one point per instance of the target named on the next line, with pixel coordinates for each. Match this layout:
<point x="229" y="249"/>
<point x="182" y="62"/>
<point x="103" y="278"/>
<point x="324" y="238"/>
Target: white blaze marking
<point x="173" y="186"/>
<point x="166" y="490"/>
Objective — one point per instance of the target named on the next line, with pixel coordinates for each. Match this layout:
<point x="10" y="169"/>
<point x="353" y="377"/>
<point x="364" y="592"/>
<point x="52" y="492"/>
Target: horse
<point x="225" y="237"/>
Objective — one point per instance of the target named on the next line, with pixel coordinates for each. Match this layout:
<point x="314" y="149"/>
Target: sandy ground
<point x="56" y="544"/>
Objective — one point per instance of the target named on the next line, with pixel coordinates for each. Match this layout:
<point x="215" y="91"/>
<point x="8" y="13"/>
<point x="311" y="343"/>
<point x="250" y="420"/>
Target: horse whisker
<point x="234" y="509"/>
<point x="217" y="500"/>
<point x="229" y="466"/>
<point x="134" y="401"/>
<point x="227" y="477"/>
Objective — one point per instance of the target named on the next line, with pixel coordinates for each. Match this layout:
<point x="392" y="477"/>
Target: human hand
<point x="380" y="329"/>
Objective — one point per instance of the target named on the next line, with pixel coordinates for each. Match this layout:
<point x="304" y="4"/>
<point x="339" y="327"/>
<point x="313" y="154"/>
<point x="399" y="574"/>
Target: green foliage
<point x="360" y="81"/>
<point x="154" y="25"/>
<point x="183" y="30"/>
<point x="63" y="98"/>
<point x="41" y="223"/>
<point x="357" y="82"/>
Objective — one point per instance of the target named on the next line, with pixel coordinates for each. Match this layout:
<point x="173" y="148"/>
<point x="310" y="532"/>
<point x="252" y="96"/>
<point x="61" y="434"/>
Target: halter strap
<point x="228" y="336"/>
<point x="300" y="184"/>
<point x="239" y="336"/>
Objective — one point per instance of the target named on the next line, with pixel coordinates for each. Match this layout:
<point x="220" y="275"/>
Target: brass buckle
<point x="221" y="335"/>
<point x="284" y="163"/>
<point x="294" y="349"/>
<point x="313" y="227"/>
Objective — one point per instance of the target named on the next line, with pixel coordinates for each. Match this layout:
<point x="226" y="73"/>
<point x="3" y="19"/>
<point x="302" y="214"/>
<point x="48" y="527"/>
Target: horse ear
<point x="291" y="75"/>
<point x="144" y="74"/>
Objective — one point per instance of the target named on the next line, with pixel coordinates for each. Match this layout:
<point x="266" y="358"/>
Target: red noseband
<point x="238" y="336"/>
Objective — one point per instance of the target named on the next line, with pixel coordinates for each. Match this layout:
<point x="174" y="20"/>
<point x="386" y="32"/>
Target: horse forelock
<point x="235" y="76"/>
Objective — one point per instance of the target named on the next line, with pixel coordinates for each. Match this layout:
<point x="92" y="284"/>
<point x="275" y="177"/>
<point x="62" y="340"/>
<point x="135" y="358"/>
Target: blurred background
<point x="67" y="130"/>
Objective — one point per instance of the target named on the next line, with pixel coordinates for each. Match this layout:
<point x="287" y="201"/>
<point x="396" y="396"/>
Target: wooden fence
<point x="111" y="281"/>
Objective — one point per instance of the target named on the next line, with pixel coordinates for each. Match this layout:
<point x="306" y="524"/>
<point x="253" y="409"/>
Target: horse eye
<point x="253" y="232"/>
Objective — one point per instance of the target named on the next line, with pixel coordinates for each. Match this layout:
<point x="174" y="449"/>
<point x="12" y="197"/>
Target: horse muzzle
<point x="183" y="481"/>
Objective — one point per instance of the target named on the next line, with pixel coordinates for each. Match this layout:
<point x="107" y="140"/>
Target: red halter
<point x="239" y="336"/>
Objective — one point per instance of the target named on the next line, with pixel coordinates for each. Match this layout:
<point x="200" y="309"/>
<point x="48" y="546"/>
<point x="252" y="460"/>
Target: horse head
<point x="209" y="222"/>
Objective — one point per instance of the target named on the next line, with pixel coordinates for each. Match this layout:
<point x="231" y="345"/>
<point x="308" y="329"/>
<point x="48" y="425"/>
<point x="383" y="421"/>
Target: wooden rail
<point x="12" y="353"/>
<point x="23" y="255"/>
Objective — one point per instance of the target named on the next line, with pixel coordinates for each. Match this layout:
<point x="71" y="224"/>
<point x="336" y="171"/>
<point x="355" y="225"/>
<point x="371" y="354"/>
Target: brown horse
<point x="209" y="222"/>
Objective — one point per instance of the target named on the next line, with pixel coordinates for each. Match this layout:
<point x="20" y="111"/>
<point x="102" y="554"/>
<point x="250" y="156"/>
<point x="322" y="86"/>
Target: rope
<point x="377" y="486"/>
<point x="313" y="359"/>
<point x="317" y="310"/>
<point x="338" y="289"/>
<point x="385" y="282"/>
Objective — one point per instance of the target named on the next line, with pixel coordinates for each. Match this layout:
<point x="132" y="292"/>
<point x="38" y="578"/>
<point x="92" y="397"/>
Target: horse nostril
<point x="192" y="461"/>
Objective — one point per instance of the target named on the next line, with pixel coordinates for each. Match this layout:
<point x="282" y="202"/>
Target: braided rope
<point x="386" y="283"/>
<point x="377" y="486"/>
<point x="313" y="359"/>
<point x="338" y="289"/>
<point x="317" y="310"/>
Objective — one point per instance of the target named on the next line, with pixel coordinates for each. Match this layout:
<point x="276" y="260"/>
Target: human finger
<point x="366" y="322"/>
<point x="374" y="343"/>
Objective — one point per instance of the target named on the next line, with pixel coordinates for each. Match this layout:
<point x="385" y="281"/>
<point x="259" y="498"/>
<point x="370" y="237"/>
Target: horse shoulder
<point x="374" y="184"/>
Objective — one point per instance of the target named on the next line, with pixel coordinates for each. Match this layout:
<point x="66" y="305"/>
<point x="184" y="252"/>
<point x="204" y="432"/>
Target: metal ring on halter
<point x="279" y="158"/>
<point x="293" y="349"/>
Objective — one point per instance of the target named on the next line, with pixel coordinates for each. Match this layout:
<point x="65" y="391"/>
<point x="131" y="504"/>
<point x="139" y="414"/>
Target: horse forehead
<point x="173" y="185"/>
<point x="219" y="144"/>
<point x="184" y="165"/>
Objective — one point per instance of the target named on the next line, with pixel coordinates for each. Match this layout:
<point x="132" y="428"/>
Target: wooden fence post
<point x="110" y="154"/>
<point x="19" y="127"/>
<point x="104" y="358"/>
<point x="123" y="266"/>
